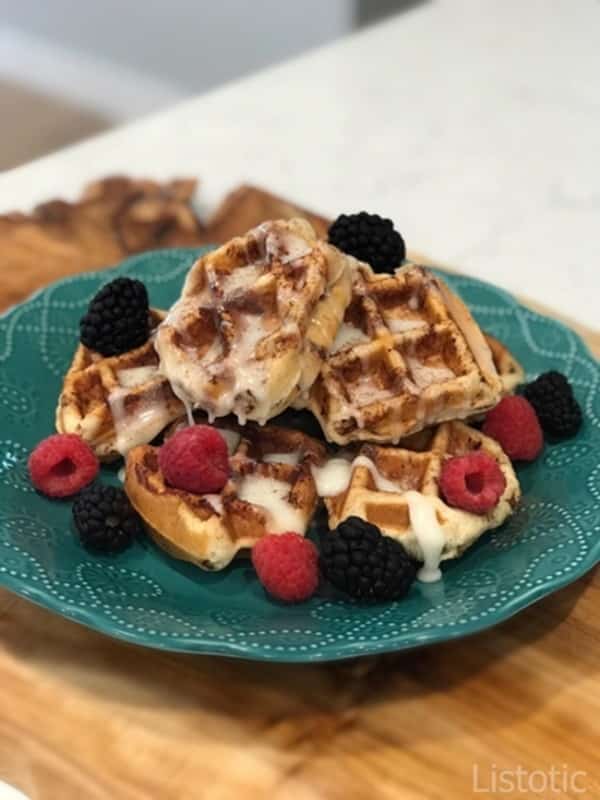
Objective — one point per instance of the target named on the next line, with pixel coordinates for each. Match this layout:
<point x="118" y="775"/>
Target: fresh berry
<point x="473" y="482"/>
<point x="514" y="425"/>
<point x="287" y="566"/>
<point x="558" y="411"/>
<point x="117" y="318"/>
<point x="195" y="459"/>
<point x="357" y="559"/>
<point x="369" y="238"/>
<point x="105" y="519"/>
<point x="62" y="464"/>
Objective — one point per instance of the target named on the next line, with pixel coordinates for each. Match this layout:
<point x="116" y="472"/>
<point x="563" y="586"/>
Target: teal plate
<point x="143" y="596"/>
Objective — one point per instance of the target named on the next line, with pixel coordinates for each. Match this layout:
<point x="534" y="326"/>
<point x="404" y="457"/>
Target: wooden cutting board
<point x="83" y="716"/>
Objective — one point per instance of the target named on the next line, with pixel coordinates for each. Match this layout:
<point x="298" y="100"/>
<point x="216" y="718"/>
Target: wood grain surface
<point x="86" y="717"/>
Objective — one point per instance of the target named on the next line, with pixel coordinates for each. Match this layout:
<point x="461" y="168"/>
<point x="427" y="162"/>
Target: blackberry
<point x="105" y="519"/>
<point x="558" y="411"/>
<point x="369" y="238"/>
<point x="117" y="318"/>
<point x="357" y="559"/>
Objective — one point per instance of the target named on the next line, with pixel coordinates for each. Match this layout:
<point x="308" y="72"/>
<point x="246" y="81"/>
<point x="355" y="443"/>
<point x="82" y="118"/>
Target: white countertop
<point x="475" y="126"/>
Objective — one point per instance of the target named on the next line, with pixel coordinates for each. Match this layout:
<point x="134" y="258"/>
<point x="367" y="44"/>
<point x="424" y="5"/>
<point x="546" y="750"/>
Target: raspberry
<point x="369" y="238"/>
<point x="195" y="460"/>
<point x="473" y="482"/>
<point x="105" y="519"/>
<point x="62" y="464"/>
<point x="287" y="566"/>
<point x="514" y="424"/>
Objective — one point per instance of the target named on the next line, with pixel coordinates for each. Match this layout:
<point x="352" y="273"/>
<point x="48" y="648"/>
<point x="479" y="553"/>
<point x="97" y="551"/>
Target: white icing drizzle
<point x="347" y="335"/>
<point x="235" y="381"/>
<point x="282" y="458"/>
<point x="364" y="393"/>
<point x="216" y="501"/>
<point x="242" y="278"/>
<point x="429" y="534"/>
<point x="139" y="428"/>
<point x="333" y="477"/>
<point x="424" y="375"/>
<point x="404" y="324"/>
<point x="178" y="391"/>
<point x="382" y="483"/>
<point x="273" y="497"/>
<point x="136" y="376"/>
<point x="248" y="379"/>
<point x="214" y="352"/>
<point x="285" y="247"/>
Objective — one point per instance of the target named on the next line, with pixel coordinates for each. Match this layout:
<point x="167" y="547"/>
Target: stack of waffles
<point x="278" y="319"/>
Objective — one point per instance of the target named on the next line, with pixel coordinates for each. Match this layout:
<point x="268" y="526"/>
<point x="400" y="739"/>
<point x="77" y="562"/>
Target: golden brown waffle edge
<point x="419" y="471"/>
<point x="108" y="415"/>
<point x="264" y="490"/>
<point x="408" y="355"/>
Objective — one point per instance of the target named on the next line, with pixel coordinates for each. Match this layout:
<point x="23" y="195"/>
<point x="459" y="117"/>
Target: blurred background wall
<point x="70" y="68"/>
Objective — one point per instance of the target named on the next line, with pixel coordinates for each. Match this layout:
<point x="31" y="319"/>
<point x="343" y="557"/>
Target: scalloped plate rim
<point x="199" y="646"/>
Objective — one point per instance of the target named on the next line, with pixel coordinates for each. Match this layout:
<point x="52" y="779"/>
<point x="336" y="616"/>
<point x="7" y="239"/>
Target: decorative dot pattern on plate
<point x="13" y="465"/>
<point x="145" y="597"/>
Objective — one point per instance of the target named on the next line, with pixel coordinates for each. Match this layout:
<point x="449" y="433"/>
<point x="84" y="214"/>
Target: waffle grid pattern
<point x="415" y="368"/>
